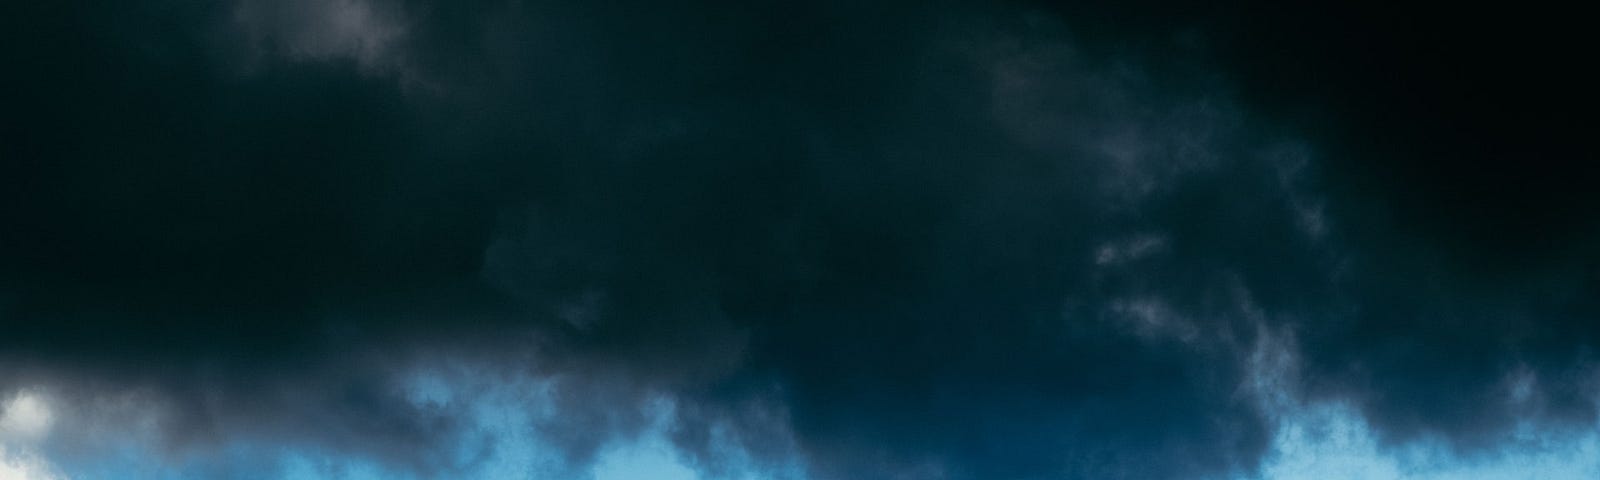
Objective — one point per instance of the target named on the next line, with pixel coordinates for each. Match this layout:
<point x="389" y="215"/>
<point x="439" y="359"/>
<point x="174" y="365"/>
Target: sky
<point x="541" y="239"/>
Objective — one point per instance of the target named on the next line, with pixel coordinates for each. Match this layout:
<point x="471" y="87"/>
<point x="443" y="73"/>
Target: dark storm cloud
<point x="883" y="241"/>
<point x="1456" y="172"/>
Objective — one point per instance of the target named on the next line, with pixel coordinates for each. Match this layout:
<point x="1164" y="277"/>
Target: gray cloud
<point x="369" y="33"/>
<point x="793" y="241"/>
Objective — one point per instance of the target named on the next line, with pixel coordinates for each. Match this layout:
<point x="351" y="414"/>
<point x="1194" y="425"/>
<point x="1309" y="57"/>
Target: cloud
<point x="23" y="466"/>
<point x="801" y="241"/>
<point x="500" y="421"/>
<point x="369" y="33"/>
<point x="25" y="416"/>
<point x="1318" y="438"/>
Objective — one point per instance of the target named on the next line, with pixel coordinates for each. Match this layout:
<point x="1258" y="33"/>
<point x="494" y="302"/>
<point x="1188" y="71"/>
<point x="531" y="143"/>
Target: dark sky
<point x="797" y="240"/>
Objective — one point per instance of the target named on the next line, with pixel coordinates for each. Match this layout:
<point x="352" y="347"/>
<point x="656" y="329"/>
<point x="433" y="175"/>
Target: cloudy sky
<point x="775" y="240"/>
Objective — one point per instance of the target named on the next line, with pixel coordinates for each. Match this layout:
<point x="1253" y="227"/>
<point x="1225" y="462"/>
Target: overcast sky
<point x="764" y="240"/>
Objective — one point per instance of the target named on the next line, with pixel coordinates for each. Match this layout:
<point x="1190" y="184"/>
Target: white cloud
<point x="22" y="465"/>
<point x="25" y="419"/>
<point x="26" y="416"/>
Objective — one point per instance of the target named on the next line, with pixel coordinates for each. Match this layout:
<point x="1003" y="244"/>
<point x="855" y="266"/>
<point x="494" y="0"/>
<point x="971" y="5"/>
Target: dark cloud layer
<point x="882" y="241"/>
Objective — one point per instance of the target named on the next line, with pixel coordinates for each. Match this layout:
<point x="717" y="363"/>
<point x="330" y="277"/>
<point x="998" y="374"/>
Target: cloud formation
<point x="487" y="239"/>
